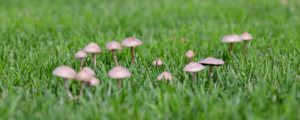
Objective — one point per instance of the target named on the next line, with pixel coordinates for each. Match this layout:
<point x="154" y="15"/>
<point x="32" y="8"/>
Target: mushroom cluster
<point x="87" y="76"/>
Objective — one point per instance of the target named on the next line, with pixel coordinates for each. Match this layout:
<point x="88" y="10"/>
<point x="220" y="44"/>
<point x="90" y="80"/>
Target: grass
<point x="38" y="35"/>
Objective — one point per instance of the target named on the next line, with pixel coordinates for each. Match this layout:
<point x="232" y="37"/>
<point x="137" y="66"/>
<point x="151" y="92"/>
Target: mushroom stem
<point x="82" y="86"/>
<point x="210" y="72"/>
<point x="194" y="74"/>
<point x="81" y="63"/>
<point x="94" y="59"/>
<point x="245" y="48"/>
<point x="115" y="57"/>
<point x="119" y="84"/>
<point x="132" y="55"/>
<point x="67" y="88"/>
<point x="230" y="47"/>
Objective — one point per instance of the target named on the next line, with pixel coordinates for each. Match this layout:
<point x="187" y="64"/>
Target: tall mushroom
<point x="247" y="38"/>
<point x="189" y="55"/>
<point x="158" y="62"/>
<point x="94" y="49"/>
<point x="132" y="42"/>
<point x="231" y="39"/>
<point x="165" y="76"/>
<point x="84" y="76"/>
<point x="211" y="62"/>
<point x="193" y="68"/>
<point x="66" y="73"/>
<point x="113" y="46"/>
<point x="119" y="73"/>
<point x="81" y="55"/>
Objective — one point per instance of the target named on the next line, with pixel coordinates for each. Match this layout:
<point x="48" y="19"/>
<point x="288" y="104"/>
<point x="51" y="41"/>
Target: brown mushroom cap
<point x="131" y="42"/>
<point x="64" y="72"/>
<point x="94" y="81"/>
<point x="119" y="72"/>
<point x="113" y="45"/>
<point x="231" y="38"/>
<point x="92" y="48"/>
<point x="246" y="36"/>
<point x="212" y="61"/>
<point x="80" y="55"/>
<point x="193" y="67"/>
<point x="157" y="62"/>
<point x="85" y="74"/>
<point x="190" y="54"/>
<point x="165" y="76"/>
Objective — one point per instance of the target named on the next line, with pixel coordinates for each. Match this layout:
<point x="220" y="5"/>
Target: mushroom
<point x="119" y="73"/>
<point x="85" y="75"/>
<point x="211" y="61"/>
<point x="157" y="62"/>
<point x="94" y="49"/>
<point x="94" y="82"/>
<point x="66" y="73"/>
<point x="165" y="76"/>
<point x="131" y="42"/>
<point x="193" y="68"/>
<point x="247" y="38"/>
<point x="231" y="39"/>
<point x="81" y="55"/>
<point x="190" y="54"/>
<point x="113" y="46"/>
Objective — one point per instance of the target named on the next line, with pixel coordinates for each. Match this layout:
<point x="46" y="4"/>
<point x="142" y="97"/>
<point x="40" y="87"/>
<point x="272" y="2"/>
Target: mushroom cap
<point x="85" y="74"/>
<point x="119" y="72"/>
<point x="113" y="45"/>
<point x="80" y="55"/>
<point x="231" y="38"/>
<point x="165" y="76"/>
<point x="92" y="48"/>
<point x="246" y="36"/>
<point x="190" y="54"/>
<point x="193" y="67"/>
<point x="212" y="61"/>
<point x="64" y="72"/>
<point x="94" y="81"/>
<point x="131" y="42"/>
<point x="157" y="62"/>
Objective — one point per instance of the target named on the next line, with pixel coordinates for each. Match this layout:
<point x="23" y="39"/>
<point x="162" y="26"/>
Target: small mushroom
<point x="132" y="42"/>
<point x="81" y="55"/>
<point x="165" y="76"/>
<point x="247" y="38"/>
<point x="193" y="68"/>
<point x="94" y="82"/>
<point x="84" y="76"/>
<point x="190" y="54"/>
<point x="231" y="39"/>
<point x="113" y="46"/>
<point x="211" y="62"/>
<point x="94" y="49"/>
<point x="66" y="73"/>
<point x="157" y="62"/>
<point x="119" y="73"/>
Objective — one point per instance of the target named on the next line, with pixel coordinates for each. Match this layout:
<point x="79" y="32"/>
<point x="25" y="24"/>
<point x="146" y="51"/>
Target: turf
<point x="38" y="35"/>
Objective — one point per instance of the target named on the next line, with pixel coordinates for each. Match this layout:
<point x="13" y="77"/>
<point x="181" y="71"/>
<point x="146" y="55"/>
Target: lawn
<point x="36" y="36"/>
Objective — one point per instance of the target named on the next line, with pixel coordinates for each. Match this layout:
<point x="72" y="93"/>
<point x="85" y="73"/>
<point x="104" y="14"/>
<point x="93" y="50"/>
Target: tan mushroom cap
<point x="193" y="67"/>
<point x="64" y="72"/>
<point x="246" y="36"/>
<point x="113" y="45"/>
<point x="85" y="74"/>
<point x="119" y="72"/>
<point x="94" y="81"/>
<point x="80" y="55"/>
<point x="165" y="76"/>
<point x="190" y="54"/>
<point x="131" y="42"/>
<point x="92" y="48"/>
<point x="157" y="62"/>
<point x="231" y="38"/>
<point x="212" y="61"/>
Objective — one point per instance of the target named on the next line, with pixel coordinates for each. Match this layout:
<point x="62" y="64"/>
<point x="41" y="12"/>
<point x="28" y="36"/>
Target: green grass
<point x="38" y="35"/>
